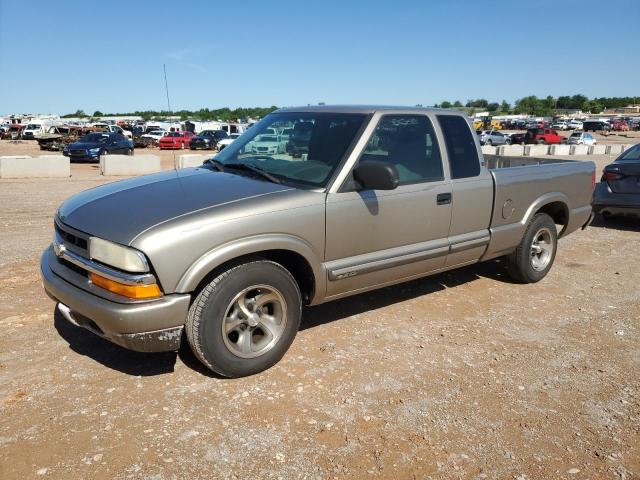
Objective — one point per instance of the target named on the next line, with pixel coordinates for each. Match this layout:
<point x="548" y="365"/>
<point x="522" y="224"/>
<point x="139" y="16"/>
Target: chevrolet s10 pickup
<point x="227" y="254"/>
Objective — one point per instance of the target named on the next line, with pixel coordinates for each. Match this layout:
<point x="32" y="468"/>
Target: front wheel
<point x="245" y="319"/>
<point x="534" y="256"/>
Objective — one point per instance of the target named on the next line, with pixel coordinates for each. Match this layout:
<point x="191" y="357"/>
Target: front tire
<point x="534" y="256"/>
<point x="245" y="319"/>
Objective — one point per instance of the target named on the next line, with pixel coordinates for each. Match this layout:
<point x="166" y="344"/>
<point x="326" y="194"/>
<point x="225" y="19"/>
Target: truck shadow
<point x="111" y="355"/>
<point x="617" y="223"/>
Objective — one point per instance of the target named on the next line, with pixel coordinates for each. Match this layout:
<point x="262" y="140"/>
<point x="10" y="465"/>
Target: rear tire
<point x="534" y="256"/>
<point x="245" y="319"/>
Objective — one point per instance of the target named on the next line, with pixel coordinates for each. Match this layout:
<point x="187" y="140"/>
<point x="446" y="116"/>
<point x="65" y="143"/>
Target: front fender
<point x="253" y="245"/>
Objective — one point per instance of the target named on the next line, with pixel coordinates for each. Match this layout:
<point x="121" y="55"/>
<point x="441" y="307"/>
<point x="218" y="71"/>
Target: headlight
<point x="94" y="150"/>
<point x="124" y="258"/>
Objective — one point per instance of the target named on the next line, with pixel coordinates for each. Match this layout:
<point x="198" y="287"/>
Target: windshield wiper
<point x="254" y="169"/>
<point x="217" y="164"/>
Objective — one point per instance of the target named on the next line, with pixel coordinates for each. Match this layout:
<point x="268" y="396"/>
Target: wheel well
<point x="295" y="263"/>
<point x="558" y="211"/>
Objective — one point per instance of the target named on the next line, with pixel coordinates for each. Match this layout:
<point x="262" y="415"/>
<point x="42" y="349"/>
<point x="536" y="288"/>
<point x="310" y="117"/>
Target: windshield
<point x="174" y="134"/>
<point x="576" y="135"/>
<point x="234" y="135"/>
<point x="95" y="137"/>
<point x="308" y="156"/>
<point x="33" y="126"/>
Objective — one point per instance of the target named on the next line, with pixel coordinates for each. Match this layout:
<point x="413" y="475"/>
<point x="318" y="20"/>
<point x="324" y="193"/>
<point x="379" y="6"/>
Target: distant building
<point x="627" y="109"/>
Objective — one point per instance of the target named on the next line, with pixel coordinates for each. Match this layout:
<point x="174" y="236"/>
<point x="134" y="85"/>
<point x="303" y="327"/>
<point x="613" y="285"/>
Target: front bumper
<point x="151" y="326"/>
<point x="201" y="145"/>
<point x="87" y="157"/>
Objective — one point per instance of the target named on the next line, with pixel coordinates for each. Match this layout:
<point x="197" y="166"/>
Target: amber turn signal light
<point x="137" y="292"/>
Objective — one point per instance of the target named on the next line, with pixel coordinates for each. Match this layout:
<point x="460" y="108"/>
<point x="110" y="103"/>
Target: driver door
<point x="376" y="237"/>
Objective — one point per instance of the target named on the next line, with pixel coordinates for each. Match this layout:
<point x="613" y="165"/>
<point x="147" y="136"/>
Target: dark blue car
<point x="93" y="145"/>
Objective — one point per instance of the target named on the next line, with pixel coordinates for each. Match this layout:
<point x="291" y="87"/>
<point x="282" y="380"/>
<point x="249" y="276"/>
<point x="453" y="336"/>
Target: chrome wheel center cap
<point x="252" y="321"/>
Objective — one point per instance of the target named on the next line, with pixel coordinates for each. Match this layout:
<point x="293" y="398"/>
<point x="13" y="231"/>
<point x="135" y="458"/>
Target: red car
<point x="544" y="136"/>
<point x="175" y="140"/>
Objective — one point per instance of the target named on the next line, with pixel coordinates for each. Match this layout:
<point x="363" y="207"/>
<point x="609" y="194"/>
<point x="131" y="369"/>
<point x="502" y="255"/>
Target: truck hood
<point x="120" y="211"/>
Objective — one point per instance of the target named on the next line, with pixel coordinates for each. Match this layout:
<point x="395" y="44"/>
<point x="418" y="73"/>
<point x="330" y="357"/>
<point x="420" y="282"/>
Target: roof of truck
<point x="365" y="109"/>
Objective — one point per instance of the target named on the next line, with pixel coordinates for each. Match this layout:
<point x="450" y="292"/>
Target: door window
<point x="408" y="142"/>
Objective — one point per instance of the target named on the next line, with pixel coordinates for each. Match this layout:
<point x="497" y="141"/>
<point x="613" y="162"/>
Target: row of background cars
<point x="540" y="132"/>
<point x="96" y="144"/>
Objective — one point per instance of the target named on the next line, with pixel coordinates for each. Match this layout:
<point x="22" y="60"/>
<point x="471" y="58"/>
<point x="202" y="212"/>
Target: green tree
<point x="493" y="107"/>
<point x="457" y="104"/>
<point x="98" y="113"/>
<point x="76" y="114"/>
<point x="505" y="107"/>
<point x="592" y="106"/>
<point x="446" y="104"/>
<point x="530" y="105"/>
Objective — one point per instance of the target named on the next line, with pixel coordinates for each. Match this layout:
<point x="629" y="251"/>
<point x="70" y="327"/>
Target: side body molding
<point x="254" y="245"/>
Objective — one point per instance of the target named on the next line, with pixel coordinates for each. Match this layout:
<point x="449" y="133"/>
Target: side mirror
<point x="376" y="175"/>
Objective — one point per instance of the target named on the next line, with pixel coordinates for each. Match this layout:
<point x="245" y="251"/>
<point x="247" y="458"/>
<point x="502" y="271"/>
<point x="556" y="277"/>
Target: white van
<point x="34" y="128"/>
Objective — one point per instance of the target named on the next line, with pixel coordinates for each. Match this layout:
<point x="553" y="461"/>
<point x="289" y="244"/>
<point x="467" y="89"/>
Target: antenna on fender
<point x="166" y="88"/>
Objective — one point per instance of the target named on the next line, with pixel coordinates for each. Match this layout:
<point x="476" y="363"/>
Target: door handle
<point x="443" y="199"/>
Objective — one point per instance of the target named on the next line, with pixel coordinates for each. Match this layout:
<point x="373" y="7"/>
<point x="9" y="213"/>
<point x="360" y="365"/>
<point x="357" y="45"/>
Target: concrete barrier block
<point x="511" y="150"/>
<point x="614" y="149"/>
<point x="597" y="149"/>
<point x="559" y="150"/>
<point x="190" y="160"/>
<point x="579" y="150"/>
<point x="45" y="166"/>
<point x="488" y="150"/>
<point x="536" y="150"/>
<point x="129" y="164"/>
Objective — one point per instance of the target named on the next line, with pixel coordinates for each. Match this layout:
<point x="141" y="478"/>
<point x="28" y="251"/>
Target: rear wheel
<point x="534" y="256"/>
<point x="245" y="319"/>
<point x="129" y="151"/>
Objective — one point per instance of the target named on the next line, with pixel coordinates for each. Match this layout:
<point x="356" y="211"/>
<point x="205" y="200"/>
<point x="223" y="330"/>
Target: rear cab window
<point x="461" y="147"/>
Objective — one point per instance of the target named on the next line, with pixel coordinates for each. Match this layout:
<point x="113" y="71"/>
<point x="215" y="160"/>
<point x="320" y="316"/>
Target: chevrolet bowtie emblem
<point x="58" y="249"/>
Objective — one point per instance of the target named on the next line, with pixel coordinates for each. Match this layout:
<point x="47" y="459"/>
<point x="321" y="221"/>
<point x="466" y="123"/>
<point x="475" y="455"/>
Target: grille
<point x="77" y="152"/>
<point x="73" y="241"/>
<point x="75" y="268"/>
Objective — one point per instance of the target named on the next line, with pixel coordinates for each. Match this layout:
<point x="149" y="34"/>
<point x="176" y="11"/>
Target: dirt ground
<point x="460" y="375"/>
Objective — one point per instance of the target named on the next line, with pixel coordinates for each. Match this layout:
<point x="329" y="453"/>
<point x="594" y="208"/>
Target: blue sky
<point x="66" y="55"/>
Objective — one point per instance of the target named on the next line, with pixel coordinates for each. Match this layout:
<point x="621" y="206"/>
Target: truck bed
<point x="522" y="185"/>
<point x="494" y="162"/>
